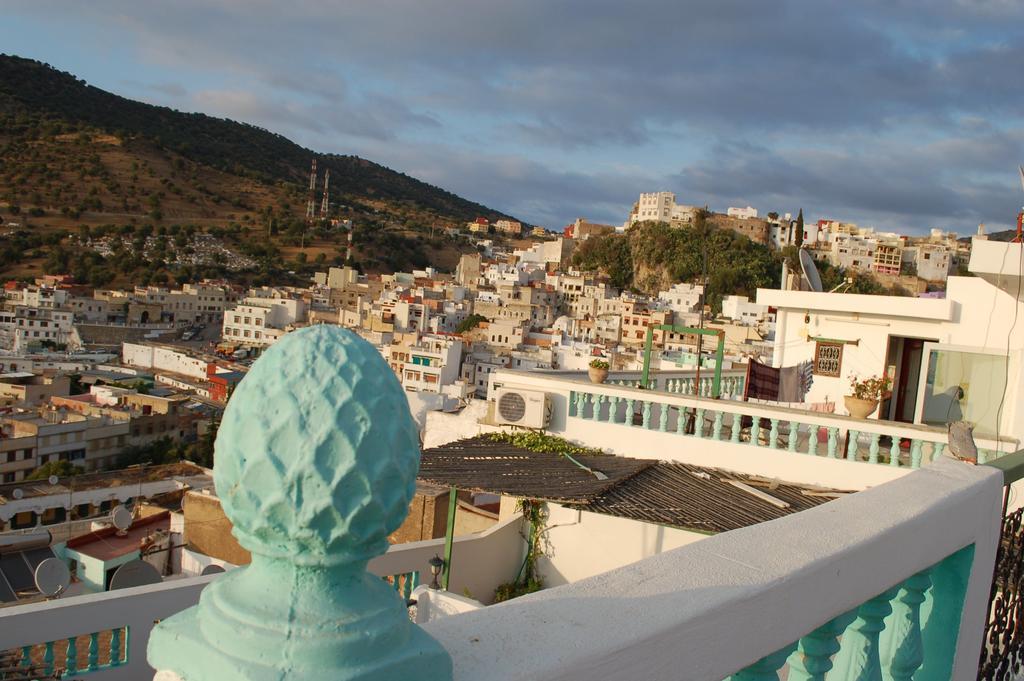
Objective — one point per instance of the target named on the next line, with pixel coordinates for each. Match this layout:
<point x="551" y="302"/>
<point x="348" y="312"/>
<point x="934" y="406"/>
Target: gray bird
<point x="961" y="441"/>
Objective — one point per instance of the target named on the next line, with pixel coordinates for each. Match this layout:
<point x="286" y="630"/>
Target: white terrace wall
<point x="625" y="440"/>
<point x="581" y="544"/>
<point x="975" y="314"/>
<point x="709" y="609"/>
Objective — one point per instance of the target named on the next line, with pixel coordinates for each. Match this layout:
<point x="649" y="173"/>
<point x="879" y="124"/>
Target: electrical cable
<point x="1009" y="340"/>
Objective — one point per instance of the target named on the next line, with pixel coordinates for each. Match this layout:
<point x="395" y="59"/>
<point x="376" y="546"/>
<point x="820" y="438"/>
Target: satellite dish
<point x="53" y="479"/>
<point x="121" y="518"/>
<point x="52" y="577"/>
<point x="212" y="570"/>
<point x="134" y="573"/>
<point x="18" y="494"/>
<point x="810" y="271"/>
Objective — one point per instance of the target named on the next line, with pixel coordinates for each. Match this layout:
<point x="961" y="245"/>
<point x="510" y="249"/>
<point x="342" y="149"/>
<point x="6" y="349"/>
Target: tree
<point x="800" y="228"/>
<point x="470" y="322"/>
<point x="62" y="469"/>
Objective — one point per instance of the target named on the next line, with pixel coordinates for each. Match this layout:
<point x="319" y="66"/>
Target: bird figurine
<point x="961" y="441"/>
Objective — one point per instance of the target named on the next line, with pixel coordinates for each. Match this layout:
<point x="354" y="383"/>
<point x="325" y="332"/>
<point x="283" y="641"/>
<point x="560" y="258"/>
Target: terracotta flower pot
<point x="597" y="375"/>
<point x="859" y="408"/>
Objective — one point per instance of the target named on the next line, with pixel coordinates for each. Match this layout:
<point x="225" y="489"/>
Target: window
<point x="828" y="359"/>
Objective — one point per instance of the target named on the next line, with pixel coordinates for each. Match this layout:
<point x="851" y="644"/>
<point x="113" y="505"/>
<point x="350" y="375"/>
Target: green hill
<point x="74" y="156"/>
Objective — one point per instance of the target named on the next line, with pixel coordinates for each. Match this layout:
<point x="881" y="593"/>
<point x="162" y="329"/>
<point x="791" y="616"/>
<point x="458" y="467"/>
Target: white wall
<point x="711" y="608"/>
<point x="582" y="544"/>
<point x="981" y="317"/>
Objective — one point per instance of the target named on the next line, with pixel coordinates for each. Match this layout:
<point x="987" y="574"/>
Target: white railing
<point x="891" y="582"/>
<point x="105" y="635"/>
<point x="745" y="436"/>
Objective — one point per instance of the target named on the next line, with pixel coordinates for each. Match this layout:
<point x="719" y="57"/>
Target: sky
<point x="904" y="115"/>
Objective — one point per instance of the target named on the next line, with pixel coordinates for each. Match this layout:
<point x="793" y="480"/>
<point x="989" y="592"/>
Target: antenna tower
<point x="311" y="203"/>
<point x="325" y="204"/>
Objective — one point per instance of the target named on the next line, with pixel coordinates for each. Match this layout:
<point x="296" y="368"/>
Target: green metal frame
<point x="1011" y="465"/>
<point x="449" y="536"/>
<point x="716" y="385"/>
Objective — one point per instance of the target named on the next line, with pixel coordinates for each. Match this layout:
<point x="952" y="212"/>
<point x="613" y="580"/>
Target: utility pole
<point x="325" y="204"/>
<point x="311" y="202"/>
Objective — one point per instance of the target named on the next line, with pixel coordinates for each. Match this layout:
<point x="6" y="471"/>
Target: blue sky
<point x="901" y="114"/>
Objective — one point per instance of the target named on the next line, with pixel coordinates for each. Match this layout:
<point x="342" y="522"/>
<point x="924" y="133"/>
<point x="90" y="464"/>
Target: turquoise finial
<point x="316" y="462"/>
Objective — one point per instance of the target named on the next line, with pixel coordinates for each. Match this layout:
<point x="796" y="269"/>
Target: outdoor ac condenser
<point x="526" y="408"/>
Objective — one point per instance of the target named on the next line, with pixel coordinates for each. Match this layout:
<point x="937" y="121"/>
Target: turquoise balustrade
<point x="65" y="654"/>
<point x="404" y="583"/>
<point x="721" y="420"/>
<point x="906" y="632"/>
<point x="313" y="488"/>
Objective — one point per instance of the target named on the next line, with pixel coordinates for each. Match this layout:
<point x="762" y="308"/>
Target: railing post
<point x="902" y="644"/>
<point x="613" y="409"/>
<point x="812" y="440"/>
<point x="313" y="488"/>
<point x="646" y="420"/>
<point x="813" y="657"/>
<point x="833" y="442"/>
<point x="873" y="448"/>
<point x="94" y="650"/>
<point x="48" y="658"/>
<point x="737" y="425"/>
<point x="71" y="655"/>
<point x="716" y="431"/>
<point x="595" y="412"/>
<point x="662" y="417"/>
<point x="773" y="434"/>
<point x="894" y="452"/>
<point x="858" y="656"/>
<point x="115" y="647"/>
<point x="794" y="434"/>
<point x="915" y="453"/>
<point x="698" y="424"/>
<point x="852" y="446"/>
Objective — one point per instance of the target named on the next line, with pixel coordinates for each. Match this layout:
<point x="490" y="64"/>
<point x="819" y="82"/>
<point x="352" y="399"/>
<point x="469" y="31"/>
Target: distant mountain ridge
<point x="28" y="86"/>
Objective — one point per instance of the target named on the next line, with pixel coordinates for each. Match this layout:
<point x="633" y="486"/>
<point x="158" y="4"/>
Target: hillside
<point x="652" y="256"/>
<point x="94" y="181"/>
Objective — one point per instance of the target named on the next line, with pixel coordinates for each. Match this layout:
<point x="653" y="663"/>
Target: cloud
<point x="901" y="112"/>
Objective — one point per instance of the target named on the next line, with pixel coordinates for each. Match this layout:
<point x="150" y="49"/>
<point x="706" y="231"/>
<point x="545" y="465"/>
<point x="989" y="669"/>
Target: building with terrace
<point x="893" y="580"/>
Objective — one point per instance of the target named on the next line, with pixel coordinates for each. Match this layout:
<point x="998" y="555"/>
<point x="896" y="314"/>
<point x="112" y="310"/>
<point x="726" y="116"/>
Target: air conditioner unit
<point x="527" y="408"/>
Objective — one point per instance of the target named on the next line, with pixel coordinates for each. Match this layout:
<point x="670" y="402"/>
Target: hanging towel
<point x="763" y="383"/>
<point x="791" y="384"/>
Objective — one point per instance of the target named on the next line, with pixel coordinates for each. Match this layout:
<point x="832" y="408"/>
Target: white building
<point x="661" y="207"/>
<point x="261" y="321"/>
<point x="932" y="261"/>
<point x="741" y="309"/>
<point x="947" y="357"/>
<point x="22" y="328"/>
<point x="428" y="364"/>
<point x="742" y="213"/>
<point x="682" y="298"/>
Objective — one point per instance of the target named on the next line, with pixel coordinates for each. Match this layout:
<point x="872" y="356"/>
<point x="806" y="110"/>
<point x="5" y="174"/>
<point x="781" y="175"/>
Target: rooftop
<point x="108" y="543"/>
<point x="685" y="496"/>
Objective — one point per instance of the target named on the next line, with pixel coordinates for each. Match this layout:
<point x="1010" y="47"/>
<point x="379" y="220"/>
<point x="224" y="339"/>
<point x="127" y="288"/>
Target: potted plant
<point x="598" y="371"/>
<point x="865" y="395"/>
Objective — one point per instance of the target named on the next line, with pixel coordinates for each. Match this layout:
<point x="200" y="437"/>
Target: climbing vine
<point x="537" y="441"/>
<point x="528" y="580"/>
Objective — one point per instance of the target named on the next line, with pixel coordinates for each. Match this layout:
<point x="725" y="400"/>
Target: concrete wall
<point x="710" y="609"/>
<point x="581" y="544"/>
<point x="208" y="531"/>
<point x="975" y="315"/>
